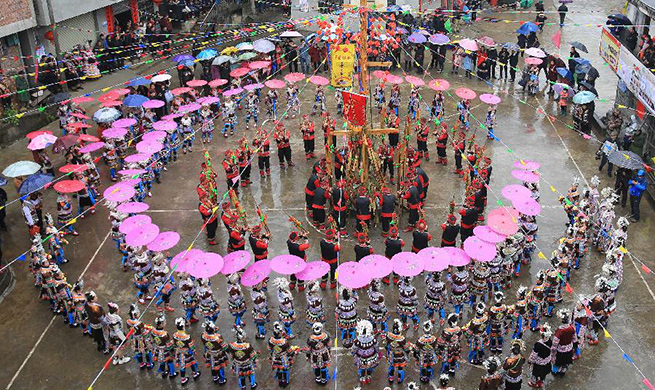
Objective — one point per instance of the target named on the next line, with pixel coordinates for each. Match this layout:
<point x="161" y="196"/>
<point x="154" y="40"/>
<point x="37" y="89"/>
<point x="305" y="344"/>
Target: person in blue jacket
<point x="637" y="188"/>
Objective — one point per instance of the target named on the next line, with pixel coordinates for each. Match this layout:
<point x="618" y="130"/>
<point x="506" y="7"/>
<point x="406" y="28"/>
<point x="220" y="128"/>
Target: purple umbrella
<point x="205" y="266"/>
<point x="377" y="265"/>
<point x="132" y="207"/>
<point x="182" y="260"/>
<point x="156" y="135"/>
<point x="125" y="122"/>
<point x="114" y="133"/>
<point x="134" y="222"/>
<point x="353" y="275"/>
<point x="439" y="39"/>
<point x="457" y="257"/>
<point x="142" y="235"/>
<point x="513" y="191"/>
<point x="164" y="241"/>
<point x="407" y="264"/>
<point x="209" y="100"/>
<point x="486" y="234"/>
<point x="154" y="103"/>
<point x="256" y="273"/>
<point x="119" y="192"/>
<point x="479" y="250"/>
<point x="164" y="125"/>
<point x="434" y="259"/>
<point x="235" y="262"/>
<point x="314" y="270"/>
<point x="92" y="147"/>
<point x="287" y="264"/>
<point x="131" y="172"/>
<point x="137" y="157"/>
<point x="417" y="38"/>
<point x="172" y="116"/>
<point x="149" y="147"/>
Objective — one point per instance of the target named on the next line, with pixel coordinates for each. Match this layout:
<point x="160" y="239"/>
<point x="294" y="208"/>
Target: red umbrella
<point x="73" y="168"/>
<point x="83" y="99"/>
<point x="79" y="115"/>
<point x="69" y="186"/>
<point x="239" y="72"/>
<point x="89" y="138"/>
<point x="111" y="103"/>
<point x="34" y="134"/>
<point x="79" y="125"/>
<point x="108" y="97"/>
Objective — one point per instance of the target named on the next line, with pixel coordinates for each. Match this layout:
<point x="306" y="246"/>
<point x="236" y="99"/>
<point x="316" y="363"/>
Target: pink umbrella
<point x="142" y="235"/>
<point x="259" y="64"/>
<point x="37" y="133"/>
<point x="180" y="91"/>
<point x="415" y="80"/>
<point x="164" y="241"/>
<point x="233" y="91"/>
<point x="239" y="72"/>
<point x="134" y="222"/>
<point x="92" y="147"/>
<point x="68" y="168"/>
<point x="250" y="87"/>
<point x="377" y="265"/>
<point x="217" y="82"/>
<point x="393" y="79"/>
<point x="527" y="206"/>
<point x="528" y="165"/>
<point x="515" y="191"/>
<point x="137" y="157"/>
<point x="287" y="264"/>
<point x="156" y="135"/>
<point x="131" y="182"/>
<point x="149" y="147"/>
<point x="125" y="122"/>
<point x="535" y="52"/>
<point x="487" y="41"/>
<point x="503" y="221"/>
<point x="69" y="186"/>
<point x="314" y="270"/>
<point x="275" y="84"/>
<point x="486" y="234"/>
<point x="41" y="141"/>
<point x="114" y="133"/>
<point x="119" y="192"/>
<point x="526" y="176"/>
<point x="468" y="44"/>
<point x="479" y="250"/>
<point x="434" y="259"/>
<point x="132" y="207"/>
<point x="83" y="99"/>
<point x="457" y="257"/>
<point x="164" y="125"/>
<point x="183" y="260"/>
<point x="256" y="273"/>
<point x="213" y="99"/>
<point x="108" y="97"/>
<point x="407" y="264"/>
<point x="154" y="103"/>
<point x="205" y="265"/>
<point x="131" y="172"/>
<point x="381" y="74"/>
<point x="121" y="91"/>
<point x="319" y="80"/>
<point x="465" y="93"/>
<point x="439" y="85"/>
<point x="294" y="77"/>
<point x="171" y="116"/>
<point x="112" y="103"/>
<point x="533" y="61"/>
<point x="196" y="83"/>
<point x="191" y="107"/>
<point x="235" y="262"/>
<point x="353" y="275"/>
<point x="489" y="98"/>
<point x="79" y="115"/>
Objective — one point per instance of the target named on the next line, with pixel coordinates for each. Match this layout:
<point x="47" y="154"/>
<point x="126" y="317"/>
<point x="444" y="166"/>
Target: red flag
<point x="568" y="288"/>
<point x="557" y="39"/>
<point x="646" y="269"/>
<point x="354" y="108"/>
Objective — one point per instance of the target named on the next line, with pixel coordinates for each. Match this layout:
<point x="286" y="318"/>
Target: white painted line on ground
<point x="94" y="255"/>
<point x="642" y="277"/>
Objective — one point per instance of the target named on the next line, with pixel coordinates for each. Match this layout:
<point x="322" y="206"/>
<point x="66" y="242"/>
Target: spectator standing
<point x="637" y="187"/>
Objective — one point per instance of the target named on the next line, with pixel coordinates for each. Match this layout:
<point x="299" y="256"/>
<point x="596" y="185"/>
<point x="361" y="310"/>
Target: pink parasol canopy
<point x="191" y="107"/>
<point x="164" y="125"/>
<point x="457" y="257"/>
<point x="78" y="125"/>
<point x="535" y="52"/>
<point x="119" y="192"/>
<point x="132" y="207"/>
<point x="465" y="93"/>
<point x="489" y="98"/>
<point x="527" y="206"/>
<point x="479" y="250"/>
<point x="164" y="241"/>
<point x="275" y="84"/>
<point x="259" y="64"/>
<point x="83" y="99"/>
<point x="213" y="99"/>
<point x="68" y="168"/>
<point x="125" y="122"/>
<point x="314" y="270"/>
<point x="439" y="85"/>
<point x="251" y="87"/>
<point x="79" y="115"/>
<point x="486" y="234"/>
<point x="156" y="135"/>
<point x="41" y="141"/>
<point x="121" y="91"/>
<point x="407" y="264"/>
<point x="239" y="72"/>
<point x="235" y="262"/>
<point x="205" y="265"/>
<point x="108" y="97"/>
<point x="134" y="222"/>
<point x="69" y="186"/>
<point x="528" y="165"/>
<point x="515" y="191"/>
<point x="196" y="83"/>
<point x="154" y="103"/>
<point x="37" y="133"/>
<point x="393" y="79"/>
<point x="353" y="275"/>
<point x="294" y="77"/>
<point x="92" y="147"/>
<point x="114" y="133"/>
<point x="133" y="182"/>
<point x="112" y="103"/>
<point x="503" y="221"/>
<point x="415" y="80"/>
<point x="149" y="147"/>
<point x="468" y="44"/>
<point x="256" y="273"/>
<point x="287" y="264"/>
<point x="131" y="172"/>
<point x="233" y="91"/>
<point x="377" y="265"/>
<point x="88" y="138"/>
<point x="170" y="117"/>
<point x="526" y="176"/>
<point x="181" y="91"/>
<point x="434" y="259"/>
<point x="183" y="260"/>
<point x="319" y="80"/>
<point x="381" y="74"/>
<point x="137" y="157"/>
<point x="533" y="61"/>
<point x="217" y="82"/>
<point x="142" y="235"/>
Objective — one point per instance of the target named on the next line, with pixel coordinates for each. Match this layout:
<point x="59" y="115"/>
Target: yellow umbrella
<point x="229" y="50"/>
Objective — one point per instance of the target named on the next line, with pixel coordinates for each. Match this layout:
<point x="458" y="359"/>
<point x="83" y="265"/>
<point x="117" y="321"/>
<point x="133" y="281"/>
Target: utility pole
<point x="51" y="16"/>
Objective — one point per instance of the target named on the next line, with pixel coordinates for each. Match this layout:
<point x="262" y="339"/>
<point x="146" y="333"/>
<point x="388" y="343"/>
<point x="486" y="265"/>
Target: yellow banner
<point x="343" y="63"/>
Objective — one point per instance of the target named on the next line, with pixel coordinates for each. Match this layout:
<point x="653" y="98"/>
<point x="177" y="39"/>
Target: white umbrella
<point x="161" y="77"/>
<point x="243" y="46"/>
<point x="291" y="34"/>
<point x="21" y="168"/>
<point x="221" y="60"/>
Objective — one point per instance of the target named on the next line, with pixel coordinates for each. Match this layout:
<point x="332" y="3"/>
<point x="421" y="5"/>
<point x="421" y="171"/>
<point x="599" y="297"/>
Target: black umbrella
<point x="620" y="19"/>
<point x="589" y="87"/>
<point x="60" y="97"/>
<point x="593" y="73"/>
<point x="625" y="159"/>
<point x="579" y="46"/>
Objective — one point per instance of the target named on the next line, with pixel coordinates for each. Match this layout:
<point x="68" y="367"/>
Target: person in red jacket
<point x="420" y="237"/>
<point x="307" y="128"/>
<point x="442" y="143"/>
<point x="330" y="254"/>
<point x="422" y="132"/>
<point x="209" y="218"/>
<point x="298" y="246"/>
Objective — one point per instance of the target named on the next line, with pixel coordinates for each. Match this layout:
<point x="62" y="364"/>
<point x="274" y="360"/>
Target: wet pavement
<point x="40" y="352"/>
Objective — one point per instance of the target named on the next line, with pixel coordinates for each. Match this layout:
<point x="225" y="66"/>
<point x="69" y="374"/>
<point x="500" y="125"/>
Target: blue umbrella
<point x="564" y="73"/>
<point x="511" y="46"/>
<point x="583" y="68"/>
<point x="138" y="82"/>
<point x="206" y="54"/>
<point x="34" y="182"/>
<point x="581" y="61"/>
<point x="106" y="115"/>
<point x="527" y="28"/>
<point x="584" y="97"/>
<point x="134" y="100"/>
<point x="182" y="57"/>
<point x="187" y="63"/>
<point x="3" y="181"/>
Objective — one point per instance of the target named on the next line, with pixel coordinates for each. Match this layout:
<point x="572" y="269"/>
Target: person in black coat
<point x="573" y="54"/>
<point x="492" y="55"/>
<point x="622" y="183"/>
<point x="513" y="62"/>
<point x="521" y="40"/>
<point x="503" y="63"/>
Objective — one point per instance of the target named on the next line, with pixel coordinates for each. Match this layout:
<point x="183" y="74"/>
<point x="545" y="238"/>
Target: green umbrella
<point x="584" y="97"/>
<point x="247" y="56"/>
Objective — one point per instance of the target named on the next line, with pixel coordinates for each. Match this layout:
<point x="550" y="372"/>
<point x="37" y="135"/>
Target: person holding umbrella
<point x="637" y="187"/>
<point x="562" y="10"/>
